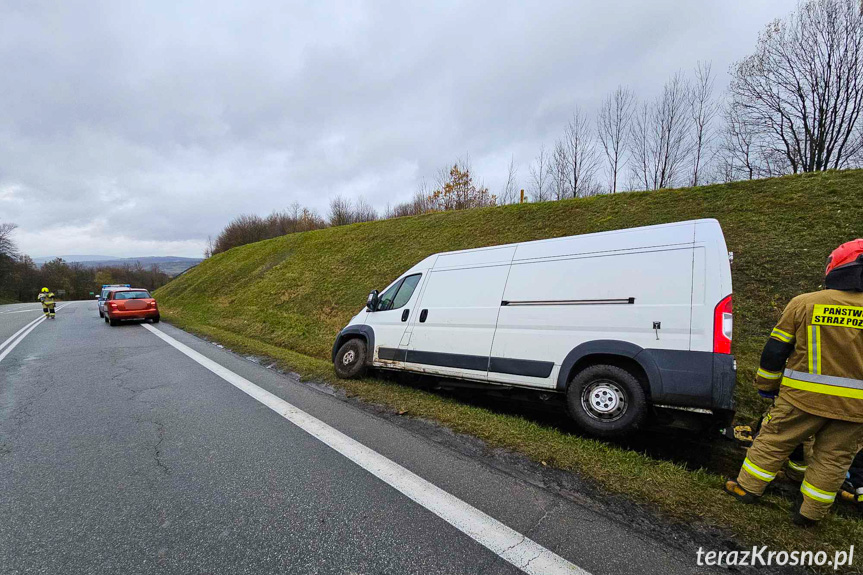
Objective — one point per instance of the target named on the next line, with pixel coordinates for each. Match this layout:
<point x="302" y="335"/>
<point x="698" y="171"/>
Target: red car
<point x="130" y="303"/>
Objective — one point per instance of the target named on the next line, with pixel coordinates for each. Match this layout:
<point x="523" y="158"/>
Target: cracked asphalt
<point x="118" y="454"/>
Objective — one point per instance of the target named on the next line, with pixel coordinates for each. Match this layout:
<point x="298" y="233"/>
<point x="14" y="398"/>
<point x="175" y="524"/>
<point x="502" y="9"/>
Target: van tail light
<point x="723" y="323"/>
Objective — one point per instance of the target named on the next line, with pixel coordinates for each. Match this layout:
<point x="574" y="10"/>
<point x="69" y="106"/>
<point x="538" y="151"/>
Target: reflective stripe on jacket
<point x="821" y="334"/>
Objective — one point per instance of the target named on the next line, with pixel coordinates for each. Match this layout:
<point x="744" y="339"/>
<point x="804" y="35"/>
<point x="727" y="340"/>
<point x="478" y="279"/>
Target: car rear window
<point x="132" y="294"/>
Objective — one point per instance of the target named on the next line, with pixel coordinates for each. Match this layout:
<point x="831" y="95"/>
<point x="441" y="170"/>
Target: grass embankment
<point x="288" y="297"/>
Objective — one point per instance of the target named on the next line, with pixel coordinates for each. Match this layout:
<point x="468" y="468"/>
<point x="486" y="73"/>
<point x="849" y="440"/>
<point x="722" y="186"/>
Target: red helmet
<point x="847" y="253"/>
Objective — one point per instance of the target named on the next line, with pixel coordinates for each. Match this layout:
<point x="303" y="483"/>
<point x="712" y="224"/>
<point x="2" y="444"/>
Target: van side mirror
<point x="372" y="301"/>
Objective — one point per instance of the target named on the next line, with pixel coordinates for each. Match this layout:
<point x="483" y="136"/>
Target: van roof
<point x="559" y="238"/>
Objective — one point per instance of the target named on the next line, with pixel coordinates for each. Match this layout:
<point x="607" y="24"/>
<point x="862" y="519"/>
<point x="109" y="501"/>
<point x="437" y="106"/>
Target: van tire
<point x="351" y="359"/>
<point x="606" y="400"/>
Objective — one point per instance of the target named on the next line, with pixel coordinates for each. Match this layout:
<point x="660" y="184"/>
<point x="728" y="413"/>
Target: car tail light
<point x="151" y="304"/>
<point x="113" y="305"/>
<point x="723" y="323"/>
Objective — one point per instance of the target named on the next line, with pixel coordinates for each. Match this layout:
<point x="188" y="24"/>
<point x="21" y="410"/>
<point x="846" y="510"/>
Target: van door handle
<point x="405" y="314"/>
<point x="423" y="315"/>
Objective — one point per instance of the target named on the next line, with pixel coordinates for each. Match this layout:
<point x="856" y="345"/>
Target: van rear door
<point x="453" y="333"/>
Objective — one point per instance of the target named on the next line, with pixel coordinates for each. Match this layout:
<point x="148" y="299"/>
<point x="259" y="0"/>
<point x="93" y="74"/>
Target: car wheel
<point x="113" y="322"/>
<point x="101" y="314"/>
<point x="157" y="319"/>
<point x="106" y="319"/>
<point x="606" y="400"/>
<point x="351" y="359"/>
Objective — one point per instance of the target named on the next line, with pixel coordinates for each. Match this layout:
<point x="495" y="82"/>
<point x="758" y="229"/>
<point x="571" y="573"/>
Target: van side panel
<point x="460" y="307"/>
<point x="647" y="237"/>
<point x="552" y="306"/>
<point x="701" y="324"/>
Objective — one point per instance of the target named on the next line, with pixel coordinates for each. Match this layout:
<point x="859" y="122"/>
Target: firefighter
<point x="47" y="299"/>
<point x="812" y="367"/>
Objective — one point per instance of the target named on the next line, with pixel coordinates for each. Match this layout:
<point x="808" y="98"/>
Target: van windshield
<point x="398" y="294"/>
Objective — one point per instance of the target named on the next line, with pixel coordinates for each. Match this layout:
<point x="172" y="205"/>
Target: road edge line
<point x="510" y="545"/>
<point x="14" y="335"/>
<point x="29" y="327"/>
<point x="17" y="333"/>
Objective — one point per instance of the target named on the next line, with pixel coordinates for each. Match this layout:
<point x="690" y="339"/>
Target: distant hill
<point x="71" y="259"/>
<point x="171" y="265"/>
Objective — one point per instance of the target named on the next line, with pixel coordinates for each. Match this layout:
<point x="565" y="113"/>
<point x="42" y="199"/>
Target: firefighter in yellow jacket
<point x="48" y="303"/>
<point x="812" y="366"/>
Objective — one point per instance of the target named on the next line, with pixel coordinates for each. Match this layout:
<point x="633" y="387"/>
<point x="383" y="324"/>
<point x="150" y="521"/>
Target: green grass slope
<point x="288" y="297"/>
<point x="297" y="291"/>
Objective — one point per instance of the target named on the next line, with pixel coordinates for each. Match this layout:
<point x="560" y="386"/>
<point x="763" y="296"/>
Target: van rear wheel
<point x="351" y="359"/>
<point x="606" y="400"/>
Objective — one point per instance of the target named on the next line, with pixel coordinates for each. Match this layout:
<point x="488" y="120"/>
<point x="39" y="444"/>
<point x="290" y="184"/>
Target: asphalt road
<point x="120" y="453"/>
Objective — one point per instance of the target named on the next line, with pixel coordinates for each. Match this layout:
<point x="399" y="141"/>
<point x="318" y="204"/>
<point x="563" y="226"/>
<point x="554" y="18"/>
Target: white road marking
<point x="507" y="543"/>
<point x="24" y="332"/>
<point x="17" y="333"/>
<point x="29" y="327"/>
<point x="21" y="310"/>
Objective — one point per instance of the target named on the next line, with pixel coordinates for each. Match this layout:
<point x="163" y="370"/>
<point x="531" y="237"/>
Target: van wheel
<point x="606" y="400"/>
<point x="351" y="359"/>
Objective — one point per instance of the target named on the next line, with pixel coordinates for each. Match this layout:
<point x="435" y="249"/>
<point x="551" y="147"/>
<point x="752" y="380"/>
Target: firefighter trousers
<point x="784" y="428"/>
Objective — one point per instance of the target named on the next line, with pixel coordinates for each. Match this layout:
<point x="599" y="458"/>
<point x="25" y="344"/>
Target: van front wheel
<point x="606" y="400"/>
<point x="351" y="359"/>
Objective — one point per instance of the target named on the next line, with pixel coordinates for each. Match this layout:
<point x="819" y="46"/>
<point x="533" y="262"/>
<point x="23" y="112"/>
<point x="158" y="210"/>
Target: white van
<point x="618" y="321"/>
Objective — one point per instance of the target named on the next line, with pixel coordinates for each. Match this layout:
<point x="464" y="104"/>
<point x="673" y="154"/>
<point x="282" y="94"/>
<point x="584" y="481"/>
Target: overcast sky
<point x="140" y="128"/>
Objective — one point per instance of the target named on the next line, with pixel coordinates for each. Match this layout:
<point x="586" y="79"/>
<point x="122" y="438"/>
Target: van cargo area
<point x="624" y="323"/>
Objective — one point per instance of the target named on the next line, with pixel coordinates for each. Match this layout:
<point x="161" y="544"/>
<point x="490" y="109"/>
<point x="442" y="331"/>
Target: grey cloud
<point x="149" y="125"/>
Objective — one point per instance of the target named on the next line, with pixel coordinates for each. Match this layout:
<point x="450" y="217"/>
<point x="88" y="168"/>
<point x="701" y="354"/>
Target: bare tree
<point x="7" y="246"/>
<point x="581" y="155"/>
<point x="363" y="211"/>
<point x="615" y="116"/>
<point x="738" y="157"/>
<point x="802" y="89"/>
<point x="559" y="171"/>
<point x="659" y="134"/>
<point x="540" y="175"/>
<point x="340" y="211"/>
<point x="702" y="110"/>
<point x="509" y="193"/>
<point x="417" y="205"/>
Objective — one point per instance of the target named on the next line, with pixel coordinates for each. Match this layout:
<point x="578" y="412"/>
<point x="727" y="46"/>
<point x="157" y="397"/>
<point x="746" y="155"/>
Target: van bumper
<point x="694" y="379"/>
